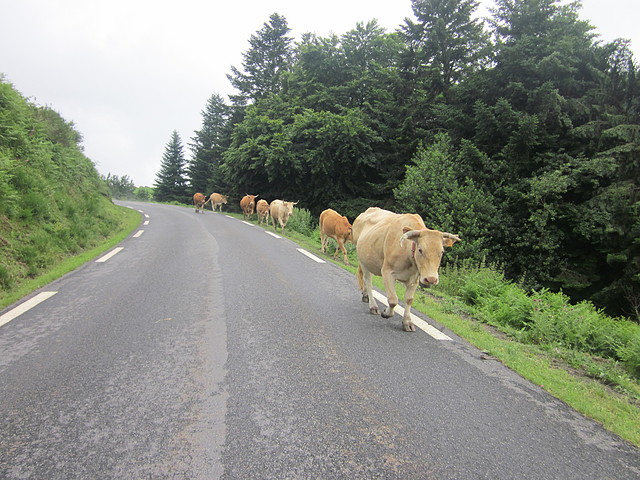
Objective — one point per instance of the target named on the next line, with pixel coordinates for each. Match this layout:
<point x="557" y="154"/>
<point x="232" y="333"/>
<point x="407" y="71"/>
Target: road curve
<point x="207" y="349"/>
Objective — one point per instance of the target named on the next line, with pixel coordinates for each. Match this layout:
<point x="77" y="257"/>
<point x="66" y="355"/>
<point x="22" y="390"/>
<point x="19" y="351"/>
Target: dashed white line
<point x="109" y="255"/>
<point x="138" y="233"/>
<point x="310" y="255"/>
<point x="146" y="222"/>
<point x="248" y="223"/>
<point x="272" y="234"/>
<point x="417" y="321"/>
<point x="22" y="308"/>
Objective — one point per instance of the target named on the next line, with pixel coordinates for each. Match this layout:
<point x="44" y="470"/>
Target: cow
<point x="280" y="212"/>
<point x="397" y="247"/>
<point x="262" y="208"/>
<point x="198" y="202"/>
<point x="217" y="200"/>
<point x="248" y="204"/>
<point x="336" y="226"/>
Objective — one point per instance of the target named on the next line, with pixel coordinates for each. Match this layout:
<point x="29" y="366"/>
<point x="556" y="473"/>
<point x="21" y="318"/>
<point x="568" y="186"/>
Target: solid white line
<point x="310" y="255"/>
<point x="109" y="255"/>
<point x="138" y="233"/>
<point x="272" y="234"/>
<point x="22" y="308"/>
<point x="417" y="321"/>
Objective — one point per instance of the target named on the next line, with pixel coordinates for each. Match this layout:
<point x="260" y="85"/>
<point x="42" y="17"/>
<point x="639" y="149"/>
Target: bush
<point x="301" y="221"/>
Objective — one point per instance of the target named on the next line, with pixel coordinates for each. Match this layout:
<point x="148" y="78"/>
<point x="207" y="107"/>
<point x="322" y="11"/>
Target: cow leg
<point x="344" y="252"/>
<point x="407" y="323"/>
<point x="323" y="241"/>
<point x="367" y="294"/>
<point x="392" y="298"/>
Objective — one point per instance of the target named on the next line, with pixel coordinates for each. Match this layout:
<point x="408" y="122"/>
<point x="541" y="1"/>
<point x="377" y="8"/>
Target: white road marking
<point x="22" y="308"/>
<point x="146" y="215"/>
<point x="140" y="211"/>
<point x="109" y="255"/>
<point x="417" y="321"/>
<point x="138" y="233"/>
<point x="310" y="255"/>
<point x="272" y="234"/>
<point x="146" y="222"/>
<point x="229" y="216"/>
<point x="251" y="224"/>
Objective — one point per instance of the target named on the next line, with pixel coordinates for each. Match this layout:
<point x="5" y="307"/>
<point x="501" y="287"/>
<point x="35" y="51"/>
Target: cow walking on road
<point x="336" y="226"/>
<point x="248" y="205"/>
<point x="198" y="202"/>
<point x="262" y="208"/>
<point x="280" y="212"/>
<point x="217" y="200"/>
<point x="397" y="247"/>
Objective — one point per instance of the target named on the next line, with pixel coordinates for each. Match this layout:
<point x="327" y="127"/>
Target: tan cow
<point x="198" y="202"/>
<point x="336" y="226"/>
<point x="397" y="247"/>
<point x="248" y="204"/>
<point x="262" y="208"/>
<point x="280" y="212"/>
<point x="217" y="200"/>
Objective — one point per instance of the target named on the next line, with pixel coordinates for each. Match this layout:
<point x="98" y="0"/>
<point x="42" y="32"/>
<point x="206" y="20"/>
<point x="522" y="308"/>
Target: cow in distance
<point x="248" y="205"/>
<point x="198" y="202"/>
<point x="217" y="200"/>
<point x="262" y="208"/>
<point x="280" y="212"/>
<point x="336" y="226"/>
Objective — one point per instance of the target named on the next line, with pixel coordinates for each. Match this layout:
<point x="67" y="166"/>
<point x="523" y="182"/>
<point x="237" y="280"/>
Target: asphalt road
<point x="209" y="349"/>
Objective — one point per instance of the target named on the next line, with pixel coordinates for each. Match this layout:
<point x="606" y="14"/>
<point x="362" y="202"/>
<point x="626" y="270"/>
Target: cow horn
<point x="409" y="234"/>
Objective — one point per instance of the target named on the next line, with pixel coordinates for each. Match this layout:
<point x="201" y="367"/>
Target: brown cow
<point x="336" y="226"/>
<point x="198" y="202"/>
<point x="397" y="247"/>
<point x="217" y="200"/>
<point x="248" y="204"/>
<point x="280" y="212"/>
<point x="262" y="208"/>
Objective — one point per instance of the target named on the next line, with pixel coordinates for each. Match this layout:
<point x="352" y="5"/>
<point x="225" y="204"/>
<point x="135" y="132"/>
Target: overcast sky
<point x="129" y="72"/>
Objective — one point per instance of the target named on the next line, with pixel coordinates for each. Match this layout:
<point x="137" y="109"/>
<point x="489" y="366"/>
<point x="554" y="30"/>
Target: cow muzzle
<point x="429" y="281"/>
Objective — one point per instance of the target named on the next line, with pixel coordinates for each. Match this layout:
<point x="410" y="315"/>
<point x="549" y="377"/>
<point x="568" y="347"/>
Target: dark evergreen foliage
<point x="522" y="135"/>
<point x="171" y="184"/>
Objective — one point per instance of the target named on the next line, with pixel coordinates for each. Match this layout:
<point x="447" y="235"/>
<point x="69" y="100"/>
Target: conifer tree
<point x="269" y="56"/>
<point x="208" y="146"/>
<point x="171" y="184"/>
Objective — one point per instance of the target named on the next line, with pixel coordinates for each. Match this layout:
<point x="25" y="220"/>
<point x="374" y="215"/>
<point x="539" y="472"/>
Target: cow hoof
<point x="386" y="315"/>
<point x="374" y="311"/>
<point x="408" y="327"/>
<point x="365" y="298"/>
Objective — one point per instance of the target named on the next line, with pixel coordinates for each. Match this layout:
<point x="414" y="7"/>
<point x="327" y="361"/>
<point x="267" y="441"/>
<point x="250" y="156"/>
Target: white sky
<point x="129" y="72"/>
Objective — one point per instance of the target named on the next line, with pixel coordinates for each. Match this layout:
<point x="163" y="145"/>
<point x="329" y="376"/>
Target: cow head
<point x="427" y="247"/>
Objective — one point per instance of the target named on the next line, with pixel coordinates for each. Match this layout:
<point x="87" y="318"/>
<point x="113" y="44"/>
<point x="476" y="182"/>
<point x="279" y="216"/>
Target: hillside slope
<point x="53" y="203"/>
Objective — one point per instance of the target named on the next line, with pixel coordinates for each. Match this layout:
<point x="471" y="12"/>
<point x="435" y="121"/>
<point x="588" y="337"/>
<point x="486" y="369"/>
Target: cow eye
<point x="420" y="250"/>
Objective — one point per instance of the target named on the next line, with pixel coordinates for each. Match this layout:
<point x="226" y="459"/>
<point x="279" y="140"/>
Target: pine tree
<point x="208" y="146"/>
<point x="446" y="41"/>
<point x="170" y="184"/>
<point x="269" y="56"/>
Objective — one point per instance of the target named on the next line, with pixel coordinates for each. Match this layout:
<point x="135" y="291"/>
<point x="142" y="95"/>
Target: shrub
<point x="301" y="221"/>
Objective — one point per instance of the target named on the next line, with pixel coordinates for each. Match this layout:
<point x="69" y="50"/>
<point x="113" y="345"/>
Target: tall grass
<point x="543" y="317"/>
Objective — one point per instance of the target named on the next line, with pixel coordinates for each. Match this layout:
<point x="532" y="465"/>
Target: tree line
<point x="520" y="132"/>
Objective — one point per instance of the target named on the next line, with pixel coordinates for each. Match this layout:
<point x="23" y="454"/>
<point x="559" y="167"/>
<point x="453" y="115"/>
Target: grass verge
<point x="130" y="219"/>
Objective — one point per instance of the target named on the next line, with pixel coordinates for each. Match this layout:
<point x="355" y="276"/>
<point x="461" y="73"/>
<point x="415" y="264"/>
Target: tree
<point x="120" y="187"/>
<point x="446" y="42"/>
<point x="268" y="58"/>
<point x="171" y="184"/>
<point x="208" y="146"/>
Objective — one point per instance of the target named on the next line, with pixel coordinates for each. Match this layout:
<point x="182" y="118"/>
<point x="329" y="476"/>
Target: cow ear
<point x="448" y="239"/>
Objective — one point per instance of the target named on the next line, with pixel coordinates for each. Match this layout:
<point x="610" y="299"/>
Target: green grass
<point x="128" y="221"/>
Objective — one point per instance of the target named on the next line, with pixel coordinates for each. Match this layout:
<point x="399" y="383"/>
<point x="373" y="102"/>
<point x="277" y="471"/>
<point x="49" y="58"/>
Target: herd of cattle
<point x="397" y="247"/>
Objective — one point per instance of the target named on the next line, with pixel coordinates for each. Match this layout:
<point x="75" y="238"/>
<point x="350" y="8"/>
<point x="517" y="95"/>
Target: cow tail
<point x="360" y="277"/>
